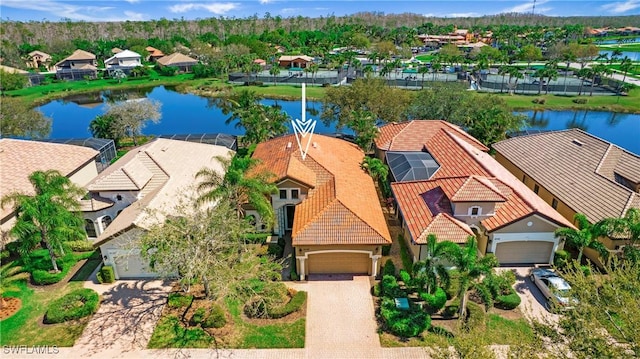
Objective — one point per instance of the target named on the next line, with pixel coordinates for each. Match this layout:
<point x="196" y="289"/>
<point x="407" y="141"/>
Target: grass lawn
<point x="26" y="327"/>
<point x="629" y="103"/>
<point x="632" y="47"/>
<point x="425" y="58"/>
<point x="170" y="333"/>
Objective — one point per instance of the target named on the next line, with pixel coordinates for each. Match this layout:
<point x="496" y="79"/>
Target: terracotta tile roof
<point x="413" y="135"/>
<point x="478" y="189"/>
<point x="344" y="207"/>
<point x="176" y="58"/>
<point x="446" y="227"/>
<point x="172" y="164"/>
<point x="153" y="51"/>
<point x="300" y="173"/>
<point x="20" y="158"/>
<point x="466" y="174"/>
<point x="577" y="168"/>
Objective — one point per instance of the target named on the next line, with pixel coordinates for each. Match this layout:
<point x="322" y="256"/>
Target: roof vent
<point x="289" y="145"/>
<point x="577" y="142"/>
<point x="315" y="145"/>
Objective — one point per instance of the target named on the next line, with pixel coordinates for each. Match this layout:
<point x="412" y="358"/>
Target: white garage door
<point x="352" y="263"/>
<point x="524" y="252"/>
<point x="132" y="266"/>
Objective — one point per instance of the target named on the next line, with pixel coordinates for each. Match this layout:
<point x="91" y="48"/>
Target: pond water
<point x="611" y="42"/>
<point x="633" y="55"/>
<point x="186" y="113"/>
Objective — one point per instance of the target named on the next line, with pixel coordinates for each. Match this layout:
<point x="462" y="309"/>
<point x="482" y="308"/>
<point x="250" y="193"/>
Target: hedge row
<point x="106" y="275"/>
<point x="74" y="305"/>
<point x="80" y="246"/>
<point x="292" y="306"/>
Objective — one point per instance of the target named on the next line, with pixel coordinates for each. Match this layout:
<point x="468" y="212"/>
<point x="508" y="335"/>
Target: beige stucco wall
<point x="538" y="224"/>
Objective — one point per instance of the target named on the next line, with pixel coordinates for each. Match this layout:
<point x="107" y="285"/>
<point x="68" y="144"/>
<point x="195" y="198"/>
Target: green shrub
<point x="80" y="246"/>
<point x="293" y="275"/>
<point x="198" y="316"/>
<point x="292" y="306"/>
<point x="276" y="250"/>
<point x="499" y="284"/>
<point x="580" y="101"/>
<point x="108" y="276"/>
<point x="509" y="301"/>
<point x="389" y="287"/>
<point x="375" y="290"/>
<point x="178" y="300"/>
<point x="256" y="238"/>
<point x="454" y="284"/>
<point x="403" y="323"/>
<point x="475" y="316"/>
<point x="561" y="258"/>
<point x="74" y="305"/>
<point x="586" y="270"/>
<point x="43" y="277"/>
<point x="485" y="294"/>
<point x="4" y="254"/>
<point x="405" y="277"/>
<point x="386" y="250"/>
<point x="389" y="268"/>
<point x="216" y="318"/>
<point x="451" y="309"/>
<point x="435" y="301"/>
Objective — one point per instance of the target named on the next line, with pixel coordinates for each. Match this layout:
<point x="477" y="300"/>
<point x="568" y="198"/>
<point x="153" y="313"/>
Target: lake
<point x="633" y="55"/>
<point x="187" y="113"/>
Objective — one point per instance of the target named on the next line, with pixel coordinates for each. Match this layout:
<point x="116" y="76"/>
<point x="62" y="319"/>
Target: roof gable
<point x="478" y="189"/>
<point x="446" y="228"/>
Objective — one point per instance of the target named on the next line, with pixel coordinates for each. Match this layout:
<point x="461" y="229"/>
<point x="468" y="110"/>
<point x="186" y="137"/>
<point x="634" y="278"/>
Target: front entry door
<point x="289" y="210"/>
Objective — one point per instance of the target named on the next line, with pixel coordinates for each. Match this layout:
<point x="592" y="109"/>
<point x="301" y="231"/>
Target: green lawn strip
<point x="425" y="58"/>
<point x="632" y="47"/>
<point x="26" y="327"/>
<point x="169" y="333"/>
<point x="628" y="104"/>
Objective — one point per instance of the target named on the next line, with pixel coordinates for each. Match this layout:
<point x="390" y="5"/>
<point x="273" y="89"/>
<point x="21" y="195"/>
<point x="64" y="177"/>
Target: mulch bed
<point x="10" y="307"/>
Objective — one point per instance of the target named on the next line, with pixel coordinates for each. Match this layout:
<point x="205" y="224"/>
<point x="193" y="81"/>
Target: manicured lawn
<point x="632" y="47"/>
<point x="425" y="58"/>
<point x="170" y="333"/>
<point x="26" y="327"/>
<point x="629" y="103"/>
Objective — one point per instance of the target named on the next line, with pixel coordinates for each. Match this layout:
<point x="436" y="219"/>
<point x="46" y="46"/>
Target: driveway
<point x="533" y="305"/>
<point x="341" y="321"/>
<point x="124" y="323"/>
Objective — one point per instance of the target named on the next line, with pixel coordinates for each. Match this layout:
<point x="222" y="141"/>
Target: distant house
<point x="137" y="192"/>
<point x="183" y="62"/>
<point x="576" y="172"/>
<point x="116" y="50"/>
<point x="260" y="62"/>
<point x="154" y="54"/>
<point x="446" y="184"/>
<point x="280" y="49"/>
<point x="20" y="158"/>
<point x="327" y="204"/>
<point x="77" y="66"/>
<point x="37" y="59"/>
<point x="124" y="60"/>
<point x="299" y="61"/>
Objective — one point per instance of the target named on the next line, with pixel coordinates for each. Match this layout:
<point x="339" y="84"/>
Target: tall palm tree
<point x="423" y="70"/>
<point x="431" y="271"/>
<point x="586" y="236"/>
<point x="275" y="71"/>
<point x="240" y="185"/>
<point x="598" y="70"/>
<point x="50" y="216"/>
<point x="9" y="275"/>
<point x="627" y="227"/>
<point x="470" y="268"/>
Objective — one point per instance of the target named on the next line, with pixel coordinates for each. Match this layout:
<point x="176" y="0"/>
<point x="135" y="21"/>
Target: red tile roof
<point x="414" y="135"/>
<point x="343" y="208"/>
<point x="478" y="189"/>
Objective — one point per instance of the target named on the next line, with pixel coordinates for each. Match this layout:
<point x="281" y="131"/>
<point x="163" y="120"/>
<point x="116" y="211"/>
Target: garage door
<point x="524" y="252"/>
<point x="132" y="266"/>
<point x="354" y="263"/>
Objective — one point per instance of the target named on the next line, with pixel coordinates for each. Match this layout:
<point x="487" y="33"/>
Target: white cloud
<point x="291" y="10"/>
<point x="264" y="2"/>
<point x="135" y="16"/>
<point x="621" y="7"/>
<point x="462" y="14"/>
<point x="132" y="1"/>
<point x="527" y="7"/>
<point x="214" y="8"/>
<point x="63" y="10"/>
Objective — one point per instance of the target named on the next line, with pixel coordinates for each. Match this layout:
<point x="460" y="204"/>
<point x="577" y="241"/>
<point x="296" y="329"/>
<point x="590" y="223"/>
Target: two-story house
<point x="77" y="66"/>
<point x="326" y="203"/>
<point x="448" y="185"/>
<point x="137" y="192"/>
<point x="124" y="60"/>
<point x="576" y="172"/>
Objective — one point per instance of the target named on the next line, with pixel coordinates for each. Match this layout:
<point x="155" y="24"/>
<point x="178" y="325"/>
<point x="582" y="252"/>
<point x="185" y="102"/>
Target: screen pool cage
<point x="219" y="139"/>
<point x="105" y="147"/>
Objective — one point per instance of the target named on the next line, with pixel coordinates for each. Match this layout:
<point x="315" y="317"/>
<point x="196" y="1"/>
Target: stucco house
<point x="136" y="192"/>
<point x="154" y="54"/>
<point x="124" y="60"/>
<point x="183" y="62"/>
<point x="576" y="173"/>
<point x="76" y="66"/>
<point x="38" y="58"/>
<point x="300" y="61"/>
<point x="20" y="158"/>
<point x="327" y="203"/>
<point x="448" y="185"/>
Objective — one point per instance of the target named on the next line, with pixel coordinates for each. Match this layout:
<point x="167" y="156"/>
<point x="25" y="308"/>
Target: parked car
<point x="554" y="288"/>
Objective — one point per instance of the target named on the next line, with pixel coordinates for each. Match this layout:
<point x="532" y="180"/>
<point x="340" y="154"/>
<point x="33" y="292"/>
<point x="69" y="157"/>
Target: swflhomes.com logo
<point x="28" y="349"/>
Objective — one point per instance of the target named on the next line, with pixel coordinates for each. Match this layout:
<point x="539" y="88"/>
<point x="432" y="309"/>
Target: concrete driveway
<point x="533" y="305"/>
<point x="127" y="316"/>
<point x="341" y="321"/>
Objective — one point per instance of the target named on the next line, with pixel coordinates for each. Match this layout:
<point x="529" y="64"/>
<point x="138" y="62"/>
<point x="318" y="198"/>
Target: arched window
<point x="90" y="228"/>
<point x="106" y="221"/>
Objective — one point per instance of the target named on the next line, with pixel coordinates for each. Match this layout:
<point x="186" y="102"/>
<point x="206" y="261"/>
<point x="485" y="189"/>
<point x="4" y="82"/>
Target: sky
<point x="121" y="10"/>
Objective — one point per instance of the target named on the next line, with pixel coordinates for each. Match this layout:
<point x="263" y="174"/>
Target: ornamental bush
<point x="216" y="318"/>
<point x="435" y="301"/>
<point x="80" y="246"/>
<point x="74" y="305"/>
<point x="389" y="268"/>
<point x="389" y="287"/>
<point x="403" y="323"/>
<point x="405" y="277"/>
<point x="509" y="301"/>
<point x="561" y="258"/>
<point x="178" y="300"/>
<point x="198" y="316"/>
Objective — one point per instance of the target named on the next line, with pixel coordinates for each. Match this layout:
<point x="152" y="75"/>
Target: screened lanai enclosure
<point x="220" y="139"/>
<point x="105" y="147"/>
<point x="411" y="166"/>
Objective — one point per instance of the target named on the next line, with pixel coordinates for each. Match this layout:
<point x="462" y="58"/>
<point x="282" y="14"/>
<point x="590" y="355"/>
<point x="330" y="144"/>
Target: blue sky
<point x="120" y="10"/>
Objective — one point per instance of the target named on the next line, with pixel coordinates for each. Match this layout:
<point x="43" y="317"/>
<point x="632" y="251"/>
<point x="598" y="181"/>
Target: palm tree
<point x="238" y="186"/>
<point x="514" y="72"/>
<point x="50" y="216"/>
<point x="504" y="71"/>
<point x="470" y="267"/>
<point x="376" y="168"/>
<point x="9" y="275"/>
<point x="431" y="271"/>
<point x="274" y="71"/>
<point x="627" y="227"/>
<point x="598" y="70"/>
<point x="423" y="70"/>
<point x="102" y="127"/>
<point x="436" y="65"/>
<point x="586" y="236"/>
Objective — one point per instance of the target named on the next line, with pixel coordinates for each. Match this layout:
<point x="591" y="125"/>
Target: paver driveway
<point x="533" y="302"/>
<point x="126" y="318"/>
<point x="340" y="317"/>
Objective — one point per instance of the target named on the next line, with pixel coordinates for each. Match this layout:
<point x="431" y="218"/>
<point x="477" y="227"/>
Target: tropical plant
<point x="470" y="268"/>
<point x="585" y="236"/>
<point x="627" y="227"/>
<point x="431" y="273"/>
<point x="240" y="185"/>
<point x="50" y="216"/>
<point x="9" y="275"/>
<point x="104" y="127"/>
<point x="376" y="168"/>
